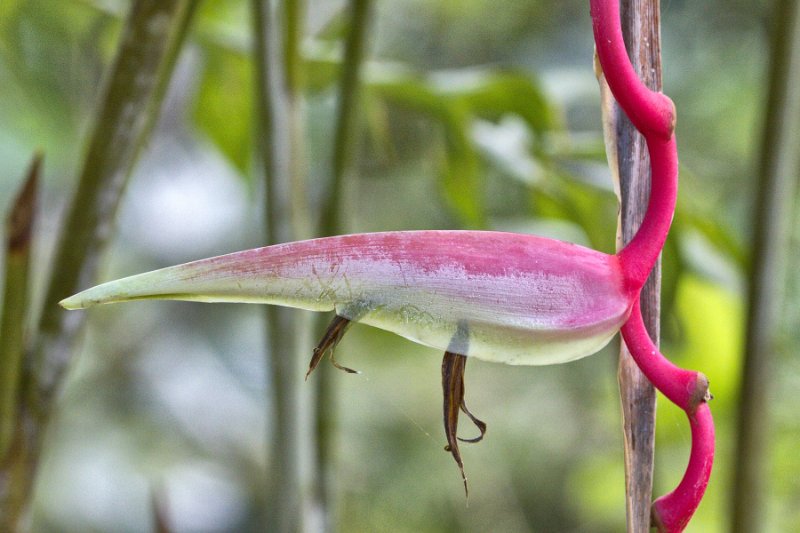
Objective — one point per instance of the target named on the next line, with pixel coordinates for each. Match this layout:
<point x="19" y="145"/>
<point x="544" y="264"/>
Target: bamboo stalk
<point x="279" y="148"/>
<point x="149" y="46"/>
<point x="777" y="177"/>
<point x="19" y="234"/>
<point x="333" y="223"/>
<point x="346" y="130"/>
<point x="640" y="24"/>
<point x="147" y="51"/>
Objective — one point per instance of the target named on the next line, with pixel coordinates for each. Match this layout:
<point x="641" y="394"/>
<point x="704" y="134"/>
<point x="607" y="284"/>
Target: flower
<point x="503" y="297"/>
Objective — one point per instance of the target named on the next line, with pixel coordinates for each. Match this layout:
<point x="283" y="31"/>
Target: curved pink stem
<point x="639" y="256"/>
<point x="688" y="390"/>
<point x="653" y="114"/>
<point x="671" y="513"/>
<point x="684" y="388"/>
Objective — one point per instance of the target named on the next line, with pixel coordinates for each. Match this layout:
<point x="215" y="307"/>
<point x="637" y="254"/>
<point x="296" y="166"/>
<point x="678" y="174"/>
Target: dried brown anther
<point x="453" y="367"/>
<point x="330" y="339"/>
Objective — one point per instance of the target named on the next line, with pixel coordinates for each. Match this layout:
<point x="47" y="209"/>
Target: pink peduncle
<point x="653" y="114"/>
<point x="639" y="256"/>
<point x="689" y="391"/>
<point x="684" y="388"/>
<point x="671" y="513"/>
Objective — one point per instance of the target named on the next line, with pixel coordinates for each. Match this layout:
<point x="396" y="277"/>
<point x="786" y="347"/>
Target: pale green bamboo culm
<point x="127" y="108"/>
<point x="333" y="223"/>
<point x="280" y="162"/>
<point x="777" y="181"/>
<point x="19" y="232"/>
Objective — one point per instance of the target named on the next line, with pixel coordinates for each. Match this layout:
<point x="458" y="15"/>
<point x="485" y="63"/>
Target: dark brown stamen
<point x="330" y="339"/>
<point x="453" y="367"/>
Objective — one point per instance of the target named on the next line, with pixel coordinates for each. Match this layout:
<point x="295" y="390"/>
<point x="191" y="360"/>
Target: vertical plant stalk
<point x="332" y="223"/>
<point x="640" y="28"/>
<point x="280" y="137"/>
<point x="292" y="24"/>
<point x="350" y="85"/>
<point x="151" y="38"/>
<point x="19" y="234"/>
<point x="148" y="50"/>
<point x="777" y="176"/>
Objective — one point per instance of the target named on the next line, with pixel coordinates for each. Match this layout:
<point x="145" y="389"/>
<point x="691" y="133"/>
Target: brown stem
<point x="640" y="26"/>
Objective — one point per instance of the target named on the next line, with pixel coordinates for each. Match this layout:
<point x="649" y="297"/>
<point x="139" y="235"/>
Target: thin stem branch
<point x="149" y="46"/>
<point x="19" y="234"/>
<point x="350" y="85"/>
<point x="332" y="223"/>
<point x="152" y="36"/>
<point x="777" y="176"/>
<point x="280" y="143"/>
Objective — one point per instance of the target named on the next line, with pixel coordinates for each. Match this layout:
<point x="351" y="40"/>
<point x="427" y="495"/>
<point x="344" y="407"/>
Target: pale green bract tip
<point x="71" y="303"/>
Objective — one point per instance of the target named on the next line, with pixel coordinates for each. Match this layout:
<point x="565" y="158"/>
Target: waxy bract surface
<point x="503" y="297"/>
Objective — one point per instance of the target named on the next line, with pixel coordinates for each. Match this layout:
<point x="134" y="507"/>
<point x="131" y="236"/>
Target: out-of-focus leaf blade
<point x="321" y="70"/>
<point x="716" y="234"/>
<point x="591" y="208"/>
<point x="461" y="172"/>
<point x="492" y="95"/>
<point x="223" y="108"/>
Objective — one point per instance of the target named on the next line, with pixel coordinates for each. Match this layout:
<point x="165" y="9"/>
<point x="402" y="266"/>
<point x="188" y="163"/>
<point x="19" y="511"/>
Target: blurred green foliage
<point x="474" y="115"/>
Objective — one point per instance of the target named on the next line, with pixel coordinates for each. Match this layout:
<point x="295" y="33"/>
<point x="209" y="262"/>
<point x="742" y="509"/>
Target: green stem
<point x="19" y="232"/>
<point x="151" y="38"/>
<point x="346" y="118"/>
<point x="780" y="155"/>
<point x="280" y="137"/>
<point x="332" y="223"/>
<point x="149" y="46"/>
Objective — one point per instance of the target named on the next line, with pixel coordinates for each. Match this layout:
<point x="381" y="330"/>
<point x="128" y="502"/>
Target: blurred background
<point x="473" y="114"/>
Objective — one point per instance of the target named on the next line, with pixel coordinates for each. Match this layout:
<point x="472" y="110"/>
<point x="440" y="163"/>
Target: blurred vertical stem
<point x="777" y="176"/>
<point x="280" y="140"/>
<point x="19" y="233"/>
<point x="148" y="47"/>
<point x="346" y="117"/>
<point x="333" y="223"/>
<point x="641" y="31"/>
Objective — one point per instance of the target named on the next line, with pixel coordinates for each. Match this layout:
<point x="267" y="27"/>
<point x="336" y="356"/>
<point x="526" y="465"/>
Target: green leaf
<point x="461" y="173"/>
<point x="224" y="105"/>
<point x="716" y="233"/>
<point x="491" y="95"/>
<point x="593" y="209"/>
<point x="320" y="69"/>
